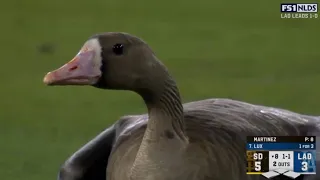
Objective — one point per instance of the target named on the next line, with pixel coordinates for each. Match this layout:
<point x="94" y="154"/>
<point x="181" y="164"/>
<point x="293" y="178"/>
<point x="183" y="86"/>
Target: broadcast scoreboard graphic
<point x="299" y="10"/>
<point x="289" y="156"/>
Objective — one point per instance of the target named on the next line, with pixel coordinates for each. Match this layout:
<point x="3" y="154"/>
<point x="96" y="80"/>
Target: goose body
<point x="202" y="140"/>
<point x="224" y="125"/>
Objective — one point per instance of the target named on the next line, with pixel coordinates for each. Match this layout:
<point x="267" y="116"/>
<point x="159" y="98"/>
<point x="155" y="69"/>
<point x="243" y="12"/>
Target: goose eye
<point x="117" y="49"/>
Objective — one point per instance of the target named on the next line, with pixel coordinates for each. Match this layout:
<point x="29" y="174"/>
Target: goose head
<point x="111" y="61"/>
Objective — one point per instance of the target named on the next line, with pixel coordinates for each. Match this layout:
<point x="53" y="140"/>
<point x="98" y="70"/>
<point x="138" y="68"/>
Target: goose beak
<point x="81" y="70"/>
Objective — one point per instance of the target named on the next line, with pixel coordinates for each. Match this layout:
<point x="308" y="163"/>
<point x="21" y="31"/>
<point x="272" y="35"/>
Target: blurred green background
<point x="235" y="49"/>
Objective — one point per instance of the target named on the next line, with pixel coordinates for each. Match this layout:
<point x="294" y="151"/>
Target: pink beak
<point x="81" y="70"/>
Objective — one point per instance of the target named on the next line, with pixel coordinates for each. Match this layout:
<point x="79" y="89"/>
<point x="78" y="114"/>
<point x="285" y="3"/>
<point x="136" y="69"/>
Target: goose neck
<point x="165" y="111"/>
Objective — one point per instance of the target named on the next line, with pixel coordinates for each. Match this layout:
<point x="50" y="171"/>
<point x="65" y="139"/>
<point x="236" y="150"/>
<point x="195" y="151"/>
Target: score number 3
<point x="304" y="166"/>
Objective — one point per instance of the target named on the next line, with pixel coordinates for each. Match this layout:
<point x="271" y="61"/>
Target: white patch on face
<point x="94" y="45"/>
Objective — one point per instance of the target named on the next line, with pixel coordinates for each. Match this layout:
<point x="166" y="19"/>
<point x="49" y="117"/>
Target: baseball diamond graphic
<point x="272" y="174"/>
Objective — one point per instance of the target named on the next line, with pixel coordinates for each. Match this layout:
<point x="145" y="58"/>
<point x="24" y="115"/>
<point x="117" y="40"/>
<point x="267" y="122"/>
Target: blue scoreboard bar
<point x="304" y="162"/>
<point x="273" y="156"/>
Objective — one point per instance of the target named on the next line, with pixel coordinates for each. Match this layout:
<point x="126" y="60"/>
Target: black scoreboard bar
<point x="257" y="162"/>
<point x="281" y="139"/>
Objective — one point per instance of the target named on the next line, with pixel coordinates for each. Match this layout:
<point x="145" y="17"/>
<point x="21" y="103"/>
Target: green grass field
<point x="236" y="49"/>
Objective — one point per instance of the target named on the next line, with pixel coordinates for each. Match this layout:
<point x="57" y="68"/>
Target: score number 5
<point x="257" y="166"/>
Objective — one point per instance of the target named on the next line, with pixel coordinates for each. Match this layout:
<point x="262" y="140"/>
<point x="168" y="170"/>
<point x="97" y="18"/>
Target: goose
<point x="200" y="140"/>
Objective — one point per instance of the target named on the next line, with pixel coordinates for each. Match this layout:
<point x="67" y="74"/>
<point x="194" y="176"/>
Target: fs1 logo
<point x="300" y="8"/>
